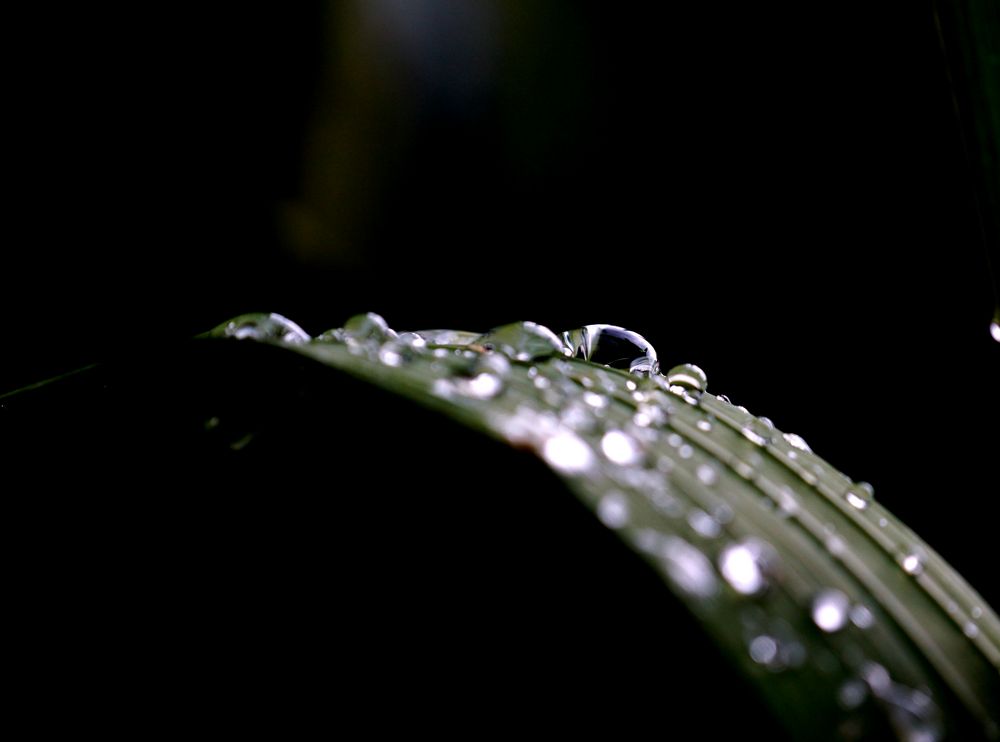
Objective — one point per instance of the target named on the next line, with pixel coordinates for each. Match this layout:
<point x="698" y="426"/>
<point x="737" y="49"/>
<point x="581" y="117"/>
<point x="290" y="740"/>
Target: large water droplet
<point x="741" y="565"/>
<point x="620" y="448"/>
<point x="261" y="326"/>
<point x="688" y="376"/>
<point x="522" y="341"/>
<point x="830" y="610"/>
<point x="859" y="495"/>
<point x="610" y="345"/>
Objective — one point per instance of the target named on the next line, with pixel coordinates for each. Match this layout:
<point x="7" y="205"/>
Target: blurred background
<point x="783" y="195"/>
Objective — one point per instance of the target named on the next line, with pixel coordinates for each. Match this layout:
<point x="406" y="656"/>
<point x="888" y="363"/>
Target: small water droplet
<point x="704" y="426"/>
<point x="482" y="386"/>
<point x="740" y="564"/>
<point x="390" y="355"/>
<point x="261" y="326"/>
<point x="595" y="400"/>
<point x="688" y="567"/>
<point x="859" y="495"/>
<point x="620" y="448"/>
<point x="610" y="345"/>
<point x="976" y="612"/>
<point x="685" y="451"/>
<point x="688" y="376"/>
<point x="567" y="452"/>
<point x="852" y="694"/>
<point x="995" y="330"/>
<point x="912" y="563"/>
<point x="757" y="432"/>
<point x="613" y="510"/>
<point x="763" y="650"/>
<point x="830" y="610"/>
<point x="862" y="617"/>
<point x="704" y="524"/>
<point x="970" y="629"/>
<point x="522" y="341"/>
<point x="707" y="474"/>
<point x="796" y="441"/>
<point x="882" y="522"/>
<point x="447" y="337"/>
<point x="725" y="399"/>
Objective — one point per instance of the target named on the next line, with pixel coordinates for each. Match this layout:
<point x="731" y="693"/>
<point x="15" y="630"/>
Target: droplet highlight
<point x="830" y="610"/>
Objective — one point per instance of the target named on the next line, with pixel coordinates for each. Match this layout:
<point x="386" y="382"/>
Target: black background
<point x="778" y="195"/>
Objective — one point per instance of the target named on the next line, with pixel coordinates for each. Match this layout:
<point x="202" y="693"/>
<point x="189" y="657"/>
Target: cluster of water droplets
<point x="665" y="457"/>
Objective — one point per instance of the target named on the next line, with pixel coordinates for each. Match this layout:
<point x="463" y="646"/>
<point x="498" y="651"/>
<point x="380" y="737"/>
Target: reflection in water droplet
<point x="739" y="564"/>
<point x="688" y="376"/>
<point x="620" y="448"/>
<point x="912" y="564"/>
<point x="763" y="650"/>
<point x="797" y="441"/>
<point x="260" y="326"/>
<point x="859" y="494"/>
<point x="830" y="610"/>
<point x="688" y="567"/>
<point x="613" y="510"/>
<point x="567" y="452"/>
<point x="610" y="345"/>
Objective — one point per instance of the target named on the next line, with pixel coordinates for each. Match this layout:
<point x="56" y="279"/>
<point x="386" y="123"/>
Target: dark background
<point x="778" y="195"/>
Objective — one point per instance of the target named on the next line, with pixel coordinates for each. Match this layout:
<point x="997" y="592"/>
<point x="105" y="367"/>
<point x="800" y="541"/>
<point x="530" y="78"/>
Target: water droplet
<point x="685" y="451"/>
<point x="757" y="431"/>
<point x="620" y="448"/>
<point x="976" y="612"/>
<point x="704" y="524"/>
<point x="970" y="629"/>
<point x="610" y="345"/>
<point x="763" y="650"/>
<point x="882" y="522"/>
<point x="391" y="355"/>
<point x="852" y="694"/>
<point x="862" y="617"/>
<point x="481" y="386"/>
<point x="707" y="474"/>
<point x="688" y="568"/>
<point x="595" y="400"/>
<point x="796" y="441"/>
<point x="830" y="610"/>
<point x="367" y="328"/>
<point x="704" y="425"/>
<point x="522" y="341"/>
<point x="447" y="337"/>
<point x="740" y="564"/>
<point x="995" y="330"/>
<point x="688" y="376"/>
<point x="260" y="326"/>
<point x="912" y="563"/>
<point x="567" y="452"/>
<point x="859" y="495"/>
<point x="613" y="510"/>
